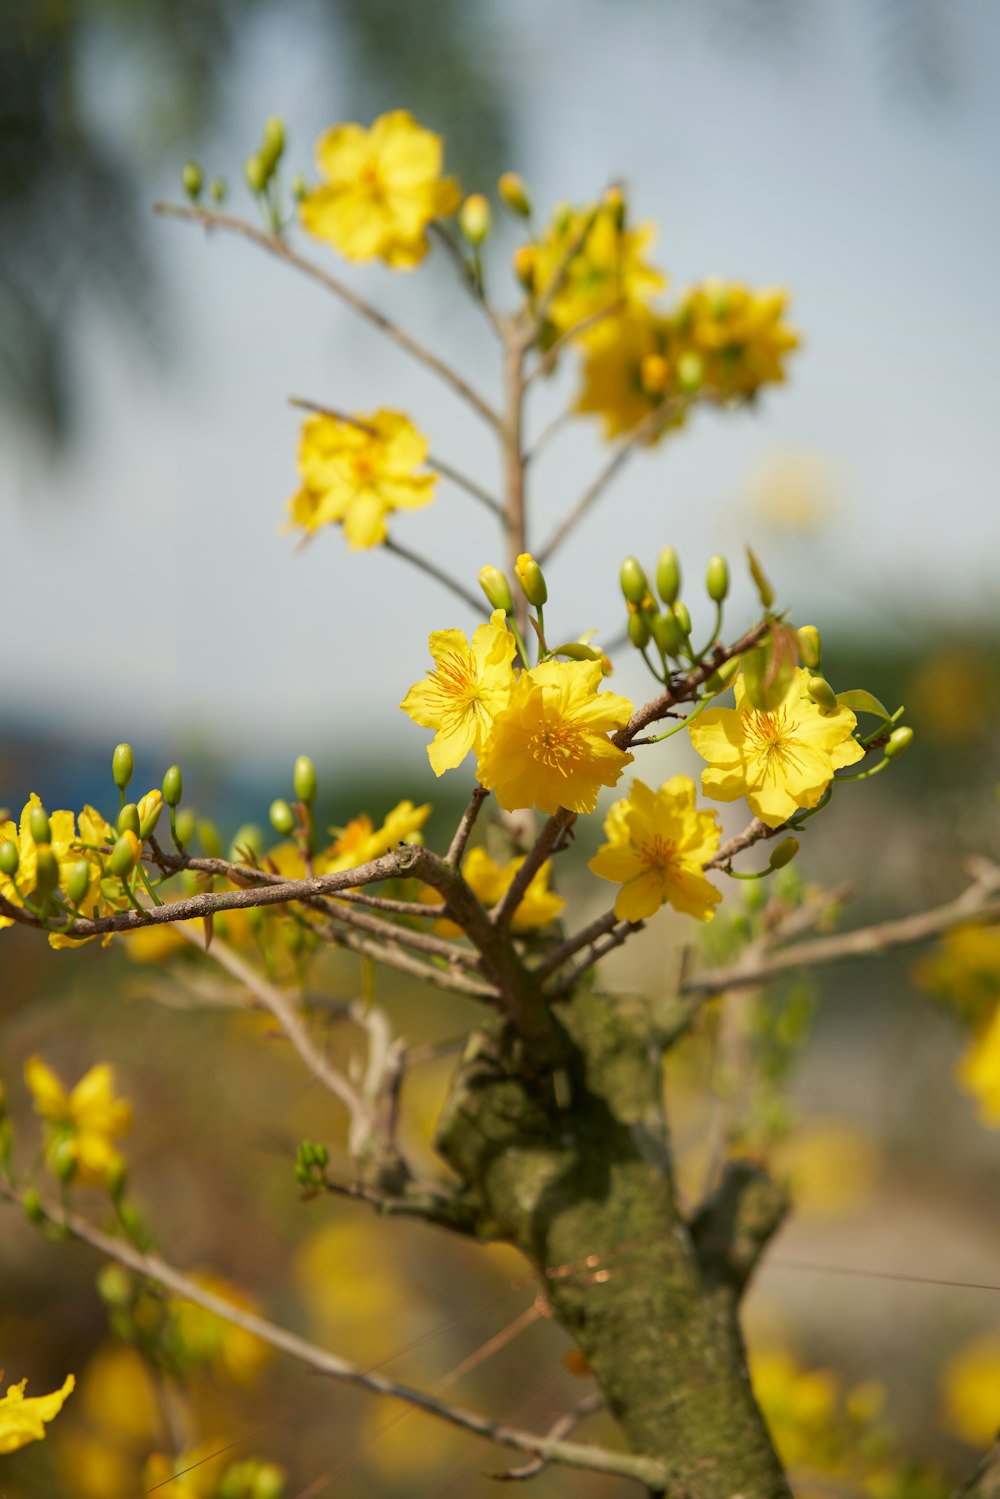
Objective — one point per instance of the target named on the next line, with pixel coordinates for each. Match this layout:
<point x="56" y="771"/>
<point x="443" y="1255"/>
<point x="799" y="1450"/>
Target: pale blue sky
<point x="149" y="584"/>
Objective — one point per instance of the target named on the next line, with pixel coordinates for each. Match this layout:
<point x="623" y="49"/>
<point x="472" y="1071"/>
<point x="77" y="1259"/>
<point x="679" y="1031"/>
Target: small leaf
<point x="860" y="701"/>
<point x="764" y="588"/>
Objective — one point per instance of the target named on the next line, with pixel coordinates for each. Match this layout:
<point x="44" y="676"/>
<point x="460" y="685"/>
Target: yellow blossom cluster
<point x="540" y="735"/>
<point x="658" y="844"/>
<point x="23" y="1418"/>
<point x="81" y="1124"/>
<point x="489" y="882"/>
<point x="965" y="971"/>
<point x="356" y="472"/>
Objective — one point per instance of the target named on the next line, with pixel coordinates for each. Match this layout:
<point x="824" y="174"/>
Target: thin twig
<point x="437" y="573"/>
<point x="683" y="689"/>
<point x="394" y="907"/>
<point x="618" y="935"/>
<point x="465" y="270"/>
<point x="438" y="464"/>
<point x="558" y="824"/>
<point x="155" y="1268"/>
<point x="568" y="949"/>
<point x="456" y="849"/>
<point x="277" y="247"/>
<point x="561" y="1427"/>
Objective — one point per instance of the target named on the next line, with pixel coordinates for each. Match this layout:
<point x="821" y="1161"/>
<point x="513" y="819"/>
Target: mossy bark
<point x="563" y="1146"/>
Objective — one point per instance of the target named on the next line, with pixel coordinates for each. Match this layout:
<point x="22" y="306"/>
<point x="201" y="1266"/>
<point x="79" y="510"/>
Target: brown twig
<point x="456" y="849"/>
<point x="583" y="938"/>
<point x="212" y="219"/>
<point x="618" y="935"/>
<point x="545" y="844"/>
<point x="561" y="1427"/>
<point x="437" y="573"/>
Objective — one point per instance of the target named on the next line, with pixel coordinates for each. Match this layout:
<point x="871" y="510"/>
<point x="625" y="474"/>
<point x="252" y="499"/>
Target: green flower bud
<point x="321" y="1156"/>
<point x="513" y="193"/>
<point x="717" y="579"/>
<point x="299" y="187"/>
<point x="764" y="589"/>
<point x="474" y="218"/>
<point x="32" y="1204"/>
<point x="810" y="648"/>
<point x="247" y="840"/>
<point x="668" y="575"/>
<point x="208" y="837"/>
<point x="125" y="855"/>
<point x="783" y="853"/>
<point x="150" y="808"/>
<point x="524" y="261"/>
<point x="114" y="1179"/>
<point x="304" y="780"/>
<point x="683" y="617"/>
<point x="302" y="1174"/>
<point x="78" y="882"/>
<point x="667" y="633"/>
<point x="122" y="765"/>
<point x="46" y="869"/>
<point x="38" y="825"/>
<point x="272" y="143"/>
<point x="531" y="579"/>
<point x="192" y="180"/>
<point x="217" y="190"/>
<point x="496" y="588"/>
<point x="282" y="817"/>
<point x="690" y="372"/>
<point x="173" y="786"/>
<point x="62" y="1158"/>
<point x="128" y="818"/>
<point x="822" y="694"/>
<point x="638" y="630"/>
<point x="256" y="172"/>
<point x="899" y="742"/>
<point x="268" y="1482"/>
<point x="186" y="823"/>
<point x="114" y="1285"/>
<point x="9" y="858"/>
<point x="634" y="583"/>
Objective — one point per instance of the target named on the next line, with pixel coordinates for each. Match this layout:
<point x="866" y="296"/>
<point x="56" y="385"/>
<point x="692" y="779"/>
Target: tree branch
<point x="437" y="573"/>
<point x="277" y="247"/>
<point x="571" y="1454"/>
<point x="558" y="824"/>
<point x="457" y="846"/>
<point x="561" y="1427"/>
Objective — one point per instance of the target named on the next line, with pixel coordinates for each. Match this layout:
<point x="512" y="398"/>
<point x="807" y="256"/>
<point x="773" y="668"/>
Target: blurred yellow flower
<point x="608" y="271"/>
<point x="978" y="1071"/>
<point x="549" y="747"/>
<point x="831" y="1168"/>
<point x="199" y="1471"/>
<point x="970" y="1391"/>
<point x="81" y="1124"/>
<point x="954" y="694"/>
<point x="361" y="841"/>
<point x="965" y="970"/>
<point x="800" y="1406"/>
<point x="23" y="1418"/>
<point x="658" y="843"/>
<point x="628" y="373"/>
<point x="779" y="761"/>
<point x="471" y="683"/>
<point x="202" y="1338"/>
<point x="738" y="333"/>
<point x="793" y="491"/>
<point x="381" y="188"/>
<point x="356" y="475"/>
<point x="489" y="882"/>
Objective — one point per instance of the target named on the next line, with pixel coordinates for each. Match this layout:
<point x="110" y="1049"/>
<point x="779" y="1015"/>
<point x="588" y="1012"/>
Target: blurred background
<point x="146" y="453"/>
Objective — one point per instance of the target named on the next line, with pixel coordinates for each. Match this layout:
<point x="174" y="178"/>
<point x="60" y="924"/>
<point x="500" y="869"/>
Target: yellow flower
<point x="965" y="970"/>
<point x="978" y="1071"/>
<point x="357" y="475"/>
<point x="381" y="188"/>
<point x="738" y="333"/>
<point x="360" y="841"/>
<point x="970" y="1391"/>
<point x="801" y="1407"/>
<point x="549" y="747"/>
<point x="607" y="271"/>
<point x="81" y="1124"/>
<point x="489" y="882"/>
<point x="628" y="373"/>
<point x="658" y="843"/>
<point x="198" y="1471"/>
<point x="23" y="1420"/>
<point x="62" y="827"/>
<point x="470" y="685"/>
<point x="203" y="1338"/>
<point x="779" y="761"/>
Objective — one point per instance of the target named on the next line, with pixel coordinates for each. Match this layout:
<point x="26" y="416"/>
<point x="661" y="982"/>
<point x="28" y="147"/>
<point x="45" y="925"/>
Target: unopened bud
<point x="282" y="817"/>
<point x="217" y="190"/>
<point x="150" y="807"/>
<point x="38" y="825"/>
<point x="78" y="882"/>
<point x="128" y="818"/>
<point x="298" y="187"/>
<point x="682" y="615"/>
<point x="614" y="202"/>
<point x="822" y="694"/>
<point x="46" y="870"/>
<point x="783" y="853"/>
<point x="321" y="1156"/>
<point x="115" y="1177"/>
<point x="899" y="742"/>
<point x="187" y="822"/>
<point x="304" y="780"/>
<point x="668" y="575"/>
<point x="690" y="371"/>
<point x="114" y="1285"/>
<point x="532" y="582"/>
<point x="717" y="579"/>
<point x="268" y="1482"/>
<point x="514" y="194"/>
<point x="192" y="180"/>
<point x="9" y="858"/>
<point x="496" y="588"/>
<point x="256" y="173"/>
<point x="173" y="786"/>
<point x="62" y="1159"/>
<point x="810" y="648"/>
<point x="272" y="142"/>
<point x="638" y="630"/>
<point x="524" y="265"/>
<point x="654" y="374"/>
<point x="667" y="633"/>
<point x="125" y="855"/>
<point x="634" y="583"/>
<point x="32" y="1205"/>
<point x="122" y="765"/>
<point x="474" y="218"/>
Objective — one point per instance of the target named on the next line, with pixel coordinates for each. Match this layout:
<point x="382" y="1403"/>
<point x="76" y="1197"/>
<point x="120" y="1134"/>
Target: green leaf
<point x="860" y="701"/>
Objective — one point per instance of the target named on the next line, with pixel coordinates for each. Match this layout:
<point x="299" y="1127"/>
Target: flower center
<point x="556" y="746"/>
<point x="770" y="734"/>
<point x="457" y="683"/>
<point x="370" y="179"/>
<point x="658" y="853"/>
